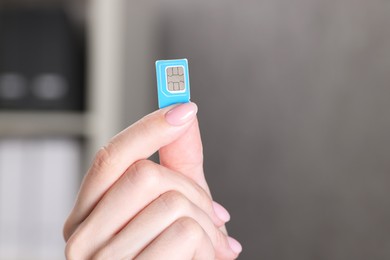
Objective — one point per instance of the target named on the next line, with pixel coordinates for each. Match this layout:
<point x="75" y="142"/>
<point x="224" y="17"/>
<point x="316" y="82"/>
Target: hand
<point x="129" y="207"/>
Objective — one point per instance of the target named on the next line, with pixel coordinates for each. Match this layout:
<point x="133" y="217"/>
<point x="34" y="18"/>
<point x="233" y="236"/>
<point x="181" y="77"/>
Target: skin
<point x="131" y="208"/>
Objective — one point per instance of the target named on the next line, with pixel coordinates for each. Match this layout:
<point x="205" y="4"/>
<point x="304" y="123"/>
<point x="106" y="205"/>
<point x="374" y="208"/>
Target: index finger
<point x="139" y="141"/>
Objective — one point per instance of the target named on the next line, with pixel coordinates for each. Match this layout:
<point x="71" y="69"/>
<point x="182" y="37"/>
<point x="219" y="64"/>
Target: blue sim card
<point x="173" y="84"/>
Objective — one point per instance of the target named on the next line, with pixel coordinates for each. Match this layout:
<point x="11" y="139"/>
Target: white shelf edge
<point x="42" y="124"/>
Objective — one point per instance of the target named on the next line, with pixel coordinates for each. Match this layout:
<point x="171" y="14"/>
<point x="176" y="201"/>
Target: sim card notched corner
<point x="173" y="84"/>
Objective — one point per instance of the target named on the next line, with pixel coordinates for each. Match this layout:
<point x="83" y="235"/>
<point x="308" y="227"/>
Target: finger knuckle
<point x="104" y="157"/>
<point x="189" y="229"/>
<point x="73" y="248"/>
<point x="202" y="198"/>
<point x="219" y="238"/>
<point x="144" y="172"/>
<point x="103" y="254"/>
<point x="66" y="229"/>
<point x="176" y="203"/>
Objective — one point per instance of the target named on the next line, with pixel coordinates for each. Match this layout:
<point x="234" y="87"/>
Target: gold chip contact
<point x="175" y="79"/>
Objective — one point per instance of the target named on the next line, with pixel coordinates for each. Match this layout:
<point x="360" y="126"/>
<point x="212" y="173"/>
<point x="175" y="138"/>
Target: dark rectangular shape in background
<point x="41" y="60"/>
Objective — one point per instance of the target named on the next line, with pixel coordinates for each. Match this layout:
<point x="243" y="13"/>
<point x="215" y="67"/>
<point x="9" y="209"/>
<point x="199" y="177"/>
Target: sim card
<point x="173" y="84"/>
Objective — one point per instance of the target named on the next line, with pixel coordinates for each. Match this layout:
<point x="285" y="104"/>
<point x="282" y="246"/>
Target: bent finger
<point x="144" y="182"/>
<point x="154" y="219"/>
<point x="185" y="155"/>
<point x="184" y="240"/>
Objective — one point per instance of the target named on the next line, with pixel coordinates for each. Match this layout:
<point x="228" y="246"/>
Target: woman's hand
<point x="129" y="207"/>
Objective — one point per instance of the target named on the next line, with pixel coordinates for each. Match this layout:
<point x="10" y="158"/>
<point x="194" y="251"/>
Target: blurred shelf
<point x="42" y="123"/>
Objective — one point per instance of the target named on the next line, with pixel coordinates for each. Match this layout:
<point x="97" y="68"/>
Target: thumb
<point x="185" y="155"/>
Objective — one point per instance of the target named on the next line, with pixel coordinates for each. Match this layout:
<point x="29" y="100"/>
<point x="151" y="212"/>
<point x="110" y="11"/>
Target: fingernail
<point x="234" y="245"/>
<point x="221" y="212"/>
<point x="181" y="114"/>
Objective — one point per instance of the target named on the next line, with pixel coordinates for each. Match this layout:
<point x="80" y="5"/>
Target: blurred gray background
<point x="294" y="112"/>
